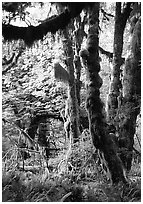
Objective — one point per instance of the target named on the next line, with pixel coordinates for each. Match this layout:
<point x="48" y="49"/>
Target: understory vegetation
<point x="80" y="179"/>
<point x="41" y="159"/>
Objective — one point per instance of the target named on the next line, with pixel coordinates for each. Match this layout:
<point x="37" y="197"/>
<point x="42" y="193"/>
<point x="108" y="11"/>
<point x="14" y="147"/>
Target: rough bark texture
<point x="72" y="99"/>
<point x="79" y="34"/>
<point x="78" y="39"/>
<point x="131" y="96"/>
<point x="98" y="127"/>
<point x="115" y="84"/>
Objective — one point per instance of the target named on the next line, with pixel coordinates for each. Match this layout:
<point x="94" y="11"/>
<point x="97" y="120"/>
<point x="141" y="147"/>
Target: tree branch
<point x="30" y="140"/>
<point x="105" y="14"/>
<point x="33" y="33"/>
<point x="12" y="63"/>
<point x="136" y="151"/>
<point x="109" y="54"/>
<point x="5" y="61"/>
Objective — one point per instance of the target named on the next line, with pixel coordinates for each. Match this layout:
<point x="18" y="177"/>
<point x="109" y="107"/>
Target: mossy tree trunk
<point x="131" y="96"/>
<point x="72" y="98"/>
<point x="98" y="127"/>
<point x="115" y="89"/>
<point x="79" y="34"/>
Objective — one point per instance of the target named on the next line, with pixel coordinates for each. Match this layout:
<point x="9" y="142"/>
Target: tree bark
<point x="131" y="96"/>
<point x="115" y="88"/>
<point x="78" y="39"/>
<point x="72" y="98"/>
<point x="98" y="127"/>
<point x="79" y="34"/>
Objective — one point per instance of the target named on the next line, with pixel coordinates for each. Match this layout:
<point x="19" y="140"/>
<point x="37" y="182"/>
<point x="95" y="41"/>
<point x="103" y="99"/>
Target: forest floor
<point x="78" y="179"/>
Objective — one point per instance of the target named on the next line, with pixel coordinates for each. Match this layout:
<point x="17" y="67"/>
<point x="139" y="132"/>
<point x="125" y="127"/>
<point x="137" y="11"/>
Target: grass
<point x="81" y="181"/>
<point x="16" y="189"/>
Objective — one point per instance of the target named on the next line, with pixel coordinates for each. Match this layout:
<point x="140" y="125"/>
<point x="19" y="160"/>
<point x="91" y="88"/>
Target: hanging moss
<point x="32" y="33"/>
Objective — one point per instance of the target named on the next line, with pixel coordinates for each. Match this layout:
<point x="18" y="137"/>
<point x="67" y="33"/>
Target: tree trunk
<point x="78" y="39"/>
<point x="72" y="99"/>
<point x="98" y="127"/>
<point x="43" y="138"/>
<point x="79" y="34"/>
<point x="131" y="96"/>
<point x="115" y="88"/>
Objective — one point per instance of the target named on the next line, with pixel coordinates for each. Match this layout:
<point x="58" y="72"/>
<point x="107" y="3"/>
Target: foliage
<point x="81" y="183"/>
<point x="30" y="90"/>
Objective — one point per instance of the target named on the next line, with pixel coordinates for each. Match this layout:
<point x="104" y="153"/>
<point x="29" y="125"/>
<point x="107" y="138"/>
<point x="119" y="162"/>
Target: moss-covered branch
<point x="53" y="24"/>
<point x="33" y="33"/>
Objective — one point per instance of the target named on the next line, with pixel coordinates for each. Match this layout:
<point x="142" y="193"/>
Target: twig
<point x="29" y="150"/>
<point x="109" y="54"/>
<point x="138" y="140"/>
<point x="7" y="153"/>
<point x="30" y="140"/>
<point x="5" y="61"/>
<point x="137" y="151"/>
<point x="65" y="197"/>
<point x="12" y="63"/>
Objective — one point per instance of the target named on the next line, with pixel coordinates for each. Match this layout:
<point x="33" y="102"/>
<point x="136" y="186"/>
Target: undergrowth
<point x="78" y="179"/>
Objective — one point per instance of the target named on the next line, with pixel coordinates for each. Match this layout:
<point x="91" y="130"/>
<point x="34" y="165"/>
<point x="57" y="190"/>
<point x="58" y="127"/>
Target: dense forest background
<point x="48" y="149"/>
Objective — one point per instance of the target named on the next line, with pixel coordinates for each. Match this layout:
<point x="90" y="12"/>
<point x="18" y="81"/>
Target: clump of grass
<point x="132" y="193"/>
<point x="12" y="188"/>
